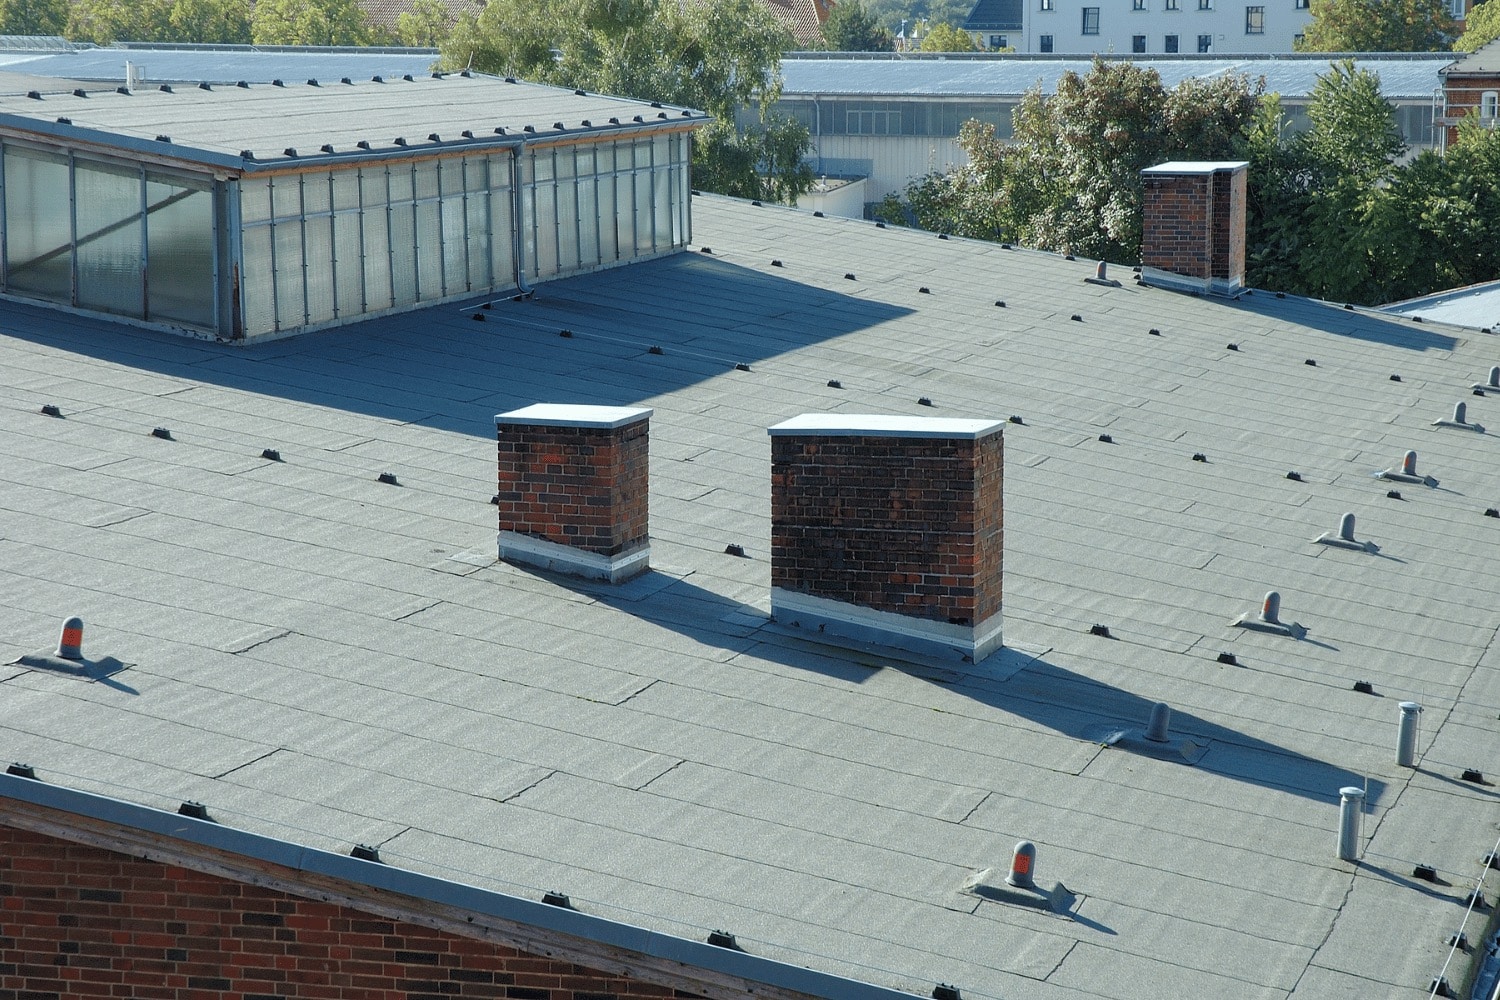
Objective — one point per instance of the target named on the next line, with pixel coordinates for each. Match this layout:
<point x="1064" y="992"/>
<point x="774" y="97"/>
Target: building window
<point x="1170" y="44"/>
<point x="1137" y="43"/>
<point x="1301" y="4"/>
<point x="1044" y="43"/>
<point x="1137" y="4"/>
<point x="1489" y="105"/>
<point x="1205" y="4"/>
<point x="998" y="42"/>
<point x="1456" y="9"/>
<point x="1170" y="5"/>
<point x="1047" y="4"/>
<point x="1205" y="43"/>
<point x="1255" y="20"/>
<point x="1297" y="41"/>
<point x="1091" y="20"/>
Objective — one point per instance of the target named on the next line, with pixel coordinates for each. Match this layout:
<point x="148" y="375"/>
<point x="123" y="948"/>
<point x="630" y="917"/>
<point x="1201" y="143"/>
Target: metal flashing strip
<point x="220" y="845"/>
<point x="849" y="625"/>
<point x="515" y="547"/>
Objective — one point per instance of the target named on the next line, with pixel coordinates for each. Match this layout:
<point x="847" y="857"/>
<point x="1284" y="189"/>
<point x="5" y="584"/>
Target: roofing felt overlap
<point x="328" y="660"/>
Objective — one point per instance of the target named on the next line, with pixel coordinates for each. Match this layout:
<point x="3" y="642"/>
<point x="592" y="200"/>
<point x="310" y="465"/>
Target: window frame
<point x="1090" y="21"/>
<point x="1205" y="43"/>
<point x="1255" y="19"/>
<point x="1171" y="44"/>
<point x="1137" y="44"/>
<point x="1044" y="43"/>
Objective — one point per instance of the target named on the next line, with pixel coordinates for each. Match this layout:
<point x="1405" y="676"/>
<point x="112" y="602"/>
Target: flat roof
<point x="328" y="660"/>
<point x="1402" y="76"/>
<point x="214" y="125"/>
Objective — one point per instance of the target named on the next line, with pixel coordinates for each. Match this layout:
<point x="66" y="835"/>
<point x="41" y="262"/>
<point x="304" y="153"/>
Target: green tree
<point x="946" y="38"/>
<point x="1481" y="27"/>
<point x="310" y="22"/>
<point x="33" y="17"/>
<point x="851" y="28"/>
<point x="722" y="56"/>
<point x="1070" y="179"/>
<point x="1378" y="26"/>
<point x="427" y="24"/>
<point x="226" y="22"/>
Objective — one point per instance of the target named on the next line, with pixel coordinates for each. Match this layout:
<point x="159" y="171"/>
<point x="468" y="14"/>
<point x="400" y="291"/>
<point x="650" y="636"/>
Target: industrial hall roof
<point x="249" y="127"/>
<point x="329" y="659"/>
<point x="1402" y="76"/>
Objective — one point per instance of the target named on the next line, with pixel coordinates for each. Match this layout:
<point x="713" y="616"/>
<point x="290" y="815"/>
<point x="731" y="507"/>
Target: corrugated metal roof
<point x="213" y="126"/>
<point x="1401" y="76"/>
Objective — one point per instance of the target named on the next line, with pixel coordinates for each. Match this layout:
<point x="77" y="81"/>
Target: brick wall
<point x="79" y="921"/>
<point x="584" y="487"/>
<point x="1462" y="96"/>
<point x="913" y="526"/>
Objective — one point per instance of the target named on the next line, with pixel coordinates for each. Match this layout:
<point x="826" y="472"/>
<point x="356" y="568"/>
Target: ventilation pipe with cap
<point x="1406" y="740"/>
<point x="70" y="645"/>
<point x="1156" y="726"/>
<point x="1022" y="866"/>
<point x="1351" y="809"/>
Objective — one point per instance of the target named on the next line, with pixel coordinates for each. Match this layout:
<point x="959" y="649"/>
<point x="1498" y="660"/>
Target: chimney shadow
<point x="1016" y="683"/>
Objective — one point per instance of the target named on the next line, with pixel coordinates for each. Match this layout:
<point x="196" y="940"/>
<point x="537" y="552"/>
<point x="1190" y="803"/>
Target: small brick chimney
<point x="573" y="489"/>
<point x="1193" y="226"/>
<point x="889" y="531"/>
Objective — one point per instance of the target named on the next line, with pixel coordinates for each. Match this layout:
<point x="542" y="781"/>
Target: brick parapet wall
<point x="80" y="921"/>
<point x="913" y="526"/>
<point x="584" y="487"/>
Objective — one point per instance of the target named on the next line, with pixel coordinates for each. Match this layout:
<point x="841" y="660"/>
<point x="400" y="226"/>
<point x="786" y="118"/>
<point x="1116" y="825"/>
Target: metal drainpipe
<point x="518" y="239"/>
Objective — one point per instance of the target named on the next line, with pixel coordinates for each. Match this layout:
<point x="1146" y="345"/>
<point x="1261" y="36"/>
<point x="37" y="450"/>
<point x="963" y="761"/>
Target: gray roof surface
<point x="999" y="15"/>
<point x="326" y="659"/>
<point x="217" y="64"/>
<point x="1483" y="60"/>
<point x="214" y="125"/>
<point x="1401" y="76"/>
<point x="1474" y="306"/>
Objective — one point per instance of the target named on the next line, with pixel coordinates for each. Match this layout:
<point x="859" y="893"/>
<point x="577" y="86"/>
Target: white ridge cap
<point x="885" y="425"/>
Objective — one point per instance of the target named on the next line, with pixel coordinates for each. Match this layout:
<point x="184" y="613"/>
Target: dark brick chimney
<point x="573" y="489"/>
<point x="1193" y="226"/>
<point x="888" y="531"/>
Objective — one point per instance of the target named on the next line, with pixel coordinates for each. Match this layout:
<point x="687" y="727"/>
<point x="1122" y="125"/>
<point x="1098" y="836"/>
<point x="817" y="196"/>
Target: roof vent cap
<point x="80" y="92"/>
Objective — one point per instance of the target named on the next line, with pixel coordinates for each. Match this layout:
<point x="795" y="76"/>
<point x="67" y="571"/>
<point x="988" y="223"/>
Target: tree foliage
<point x="310" y="22"/>
<point x="1331" y="211"/>
<point x="1481" y="27"/>
<point x="1378" y="26"/>
<point x="426" y="25"/>
<point x="33" y="17"/>
<point x="946" y="38"/>
<point x="852" y="28"/>
<point x="722" y="56"/>
<point x="1070" y="179"/>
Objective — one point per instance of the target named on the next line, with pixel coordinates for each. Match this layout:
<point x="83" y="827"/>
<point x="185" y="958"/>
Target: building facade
<point x="1138" y="27"/>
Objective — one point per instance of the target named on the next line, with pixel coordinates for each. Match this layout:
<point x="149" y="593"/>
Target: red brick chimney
<point x="1193" y="226"/>
<point x="573" y="494"/>
<point x="888" y="531"/>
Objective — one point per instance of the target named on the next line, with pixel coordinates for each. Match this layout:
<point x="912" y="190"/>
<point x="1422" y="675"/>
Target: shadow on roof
<point x="1011" y="681"/>
<point x="440" y="368"/>
<point x="1357" y="324"/>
